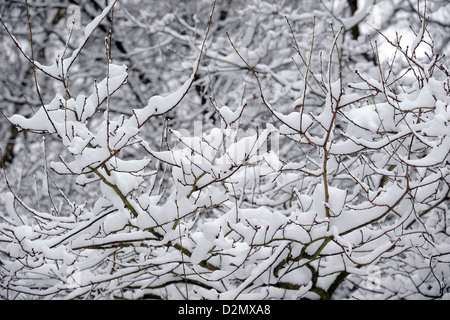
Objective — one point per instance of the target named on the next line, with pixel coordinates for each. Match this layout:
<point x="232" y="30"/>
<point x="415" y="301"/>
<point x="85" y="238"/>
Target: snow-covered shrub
<point x="352" y="174"/>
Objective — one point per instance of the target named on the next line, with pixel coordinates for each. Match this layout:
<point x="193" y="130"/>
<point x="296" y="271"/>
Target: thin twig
<point x="34" y="70"/>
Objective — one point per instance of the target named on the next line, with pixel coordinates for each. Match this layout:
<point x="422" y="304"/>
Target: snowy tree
<point x="225" y="150"/>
